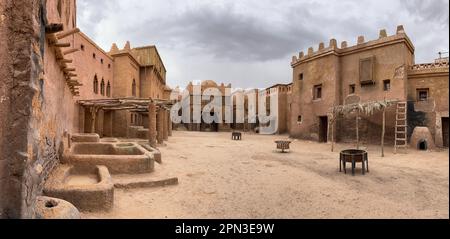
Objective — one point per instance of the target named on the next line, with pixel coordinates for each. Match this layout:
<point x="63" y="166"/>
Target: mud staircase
<point x="401" y="127"/>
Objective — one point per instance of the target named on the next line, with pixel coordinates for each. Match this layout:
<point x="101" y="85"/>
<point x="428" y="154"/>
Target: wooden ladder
<point x="401" y="126"/>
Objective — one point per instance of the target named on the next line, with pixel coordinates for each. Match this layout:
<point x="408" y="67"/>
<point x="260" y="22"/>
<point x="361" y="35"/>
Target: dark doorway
<point x="423" y="145"/>
<point x="445" y="131"/>
<point x="323" y="129"/>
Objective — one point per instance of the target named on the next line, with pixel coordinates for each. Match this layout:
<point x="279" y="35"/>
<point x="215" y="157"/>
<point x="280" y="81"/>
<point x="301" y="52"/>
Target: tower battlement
<point x="345" y="49"/>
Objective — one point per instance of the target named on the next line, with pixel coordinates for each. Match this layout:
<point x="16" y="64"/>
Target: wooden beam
<point x="69" y="69"/>
<point x="62" y="60"/>
<point x="72" y="75"/>
<point x="62" y="44"/>
<point x="54" y="28"/>
<point x="67" y="33"/>
<point x="70" y="51"/>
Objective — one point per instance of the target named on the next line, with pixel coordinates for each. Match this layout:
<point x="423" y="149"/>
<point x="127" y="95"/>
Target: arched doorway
<point x="422" y="145"/>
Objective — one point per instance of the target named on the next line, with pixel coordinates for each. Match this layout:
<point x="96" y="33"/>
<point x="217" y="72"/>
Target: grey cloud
<point x="434" y="11"/>
<point x="251" y="40"/>
<point x="224" y="33"/>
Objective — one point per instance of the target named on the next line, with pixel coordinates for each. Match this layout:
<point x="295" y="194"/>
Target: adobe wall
<point x="33" y="90"/>
<point x="429" y="113"/>
<point x="151" y="85"/>
<point x="91" y="62"/>
<point x="320" y="71"/>
<point x="125" y="70"/>
<point x="6" y="75"/>
<point x="338" y="68"/>
<point x="387" y="60"/>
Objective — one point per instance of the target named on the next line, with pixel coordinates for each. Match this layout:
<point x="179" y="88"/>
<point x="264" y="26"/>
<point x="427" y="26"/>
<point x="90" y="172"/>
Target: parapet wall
<point x="344" y="49"/>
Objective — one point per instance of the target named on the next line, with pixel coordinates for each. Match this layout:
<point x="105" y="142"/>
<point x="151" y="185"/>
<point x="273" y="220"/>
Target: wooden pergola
<point x="366" y="108"/>
<point x="158" y="110"/>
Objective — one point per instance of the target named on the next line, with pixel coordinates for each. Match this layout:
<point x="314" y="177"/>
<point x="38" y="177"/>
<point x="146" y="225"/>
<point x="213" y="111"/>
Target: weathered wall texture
<point x="33" y="88"/>
<point x="95" y="73"/>
<point x="337" y="70"/>
<point x="284" y="94"/>
<point x="429" y="113"/>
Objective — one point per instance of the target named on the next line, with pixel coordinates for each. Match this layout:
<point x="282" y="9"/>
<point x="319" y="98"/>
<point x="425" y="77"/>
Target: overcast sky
<point x="250" y="43"/>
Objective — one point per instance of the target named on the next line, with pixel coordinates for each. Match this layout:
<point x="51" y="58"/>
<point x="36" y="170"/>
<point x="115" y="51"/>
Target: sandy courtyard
<point x="221" y="178"/>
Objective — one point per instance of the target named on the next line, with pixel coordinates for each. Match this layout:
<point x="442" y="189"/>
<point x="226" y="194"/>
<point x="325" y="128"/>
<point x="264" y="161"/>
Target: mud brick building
<point x="47" y="66"/>
<point x="369" y="71"/>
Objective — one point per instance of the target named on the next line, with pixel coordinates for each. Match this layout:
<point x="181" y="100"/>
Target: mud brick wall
<point x="370" y="128"/>
<point x="32" y="121"/>
<point x="20" y="67"/>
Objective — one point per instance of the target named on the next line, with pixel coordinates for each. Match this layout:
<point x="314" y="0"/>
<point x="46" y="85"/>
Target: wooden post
<point x="67" y="33"/>
<point x="333" y="119"/>
<point x="383" y="131"/>
<point x="357" y="130"/>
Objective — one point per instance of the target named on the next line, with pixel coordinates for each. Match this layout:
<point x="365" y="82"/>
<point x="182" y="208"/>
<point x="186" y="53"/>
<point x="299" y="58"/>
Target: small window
<point x="386" y="85"/>
<point x="422" y="94"/>
<point x="299" y="119"/>
<point x="352" y="89"/>
<point x="109" y="66"/>
<point x="317" y="92"/>
<point x="133" y="88"/>
<point x="101" y="61"/>
<point x="102" y="87"/>
<point x="108" y="90"/>
<point x="82" y="47"/>
<point x="94" y="56"/>
<point x="300" y="77"/>
<point x="95" y="85"/>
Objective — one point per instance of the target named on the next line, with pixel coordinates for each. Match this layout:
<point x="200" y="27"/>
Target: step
<point x="160" y="177"/>
<point x="129" y="181"/>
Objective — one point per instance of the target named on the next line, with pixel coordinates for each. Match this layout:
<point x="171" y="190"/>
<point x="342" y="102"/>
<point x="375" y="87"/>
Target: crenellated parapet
<point x="345" y="49"/>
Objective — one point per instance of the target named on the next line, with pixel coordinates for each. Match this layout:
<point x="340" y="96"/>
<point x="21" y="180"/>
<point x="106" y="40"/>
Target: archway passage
<point x="422" y="145"/>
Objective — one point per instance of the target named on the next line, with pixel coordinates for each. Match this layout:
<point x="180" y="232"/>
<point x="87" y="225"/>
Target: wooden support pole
<point x="67" y="33"/>
<point x="383" y="132"/>
<point x="357" y="130"/>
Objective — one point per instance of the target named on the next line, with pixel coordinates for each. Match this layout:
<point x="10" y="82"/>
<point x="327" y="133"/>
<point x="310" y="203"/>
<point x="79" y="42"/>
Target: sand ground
<point x="220" y="178"/>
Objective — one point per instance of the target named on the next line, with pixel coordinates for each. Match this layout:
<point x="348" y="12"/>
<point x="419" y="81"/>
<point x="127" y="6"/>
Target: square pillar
<point x="160" y="126"/>
<point x="169" y="121"/>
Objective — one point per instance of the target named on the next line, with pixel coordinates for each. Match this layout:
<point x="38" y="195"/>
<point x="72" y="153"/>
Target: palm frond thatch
<point x="368" y="108"/>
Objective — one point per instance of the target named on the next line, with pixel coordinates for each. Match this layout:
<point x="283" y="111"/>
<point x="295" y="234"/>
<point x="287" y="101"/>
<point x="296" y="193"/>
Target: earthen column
<point x="160" y="125"/>
<point x="166" y="126"/>
<point x="169" y="120"/>
<point x="152" y="124"/>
